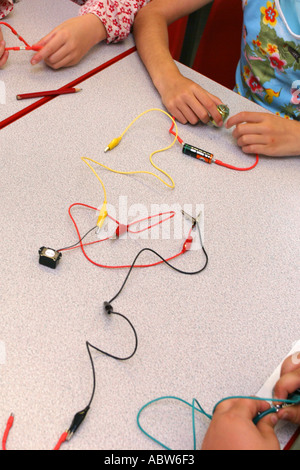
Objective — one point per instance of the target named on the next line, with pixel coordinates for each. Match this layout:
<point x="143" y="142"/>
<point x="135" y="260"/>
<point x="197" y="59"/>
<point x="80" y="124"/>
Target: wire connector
<point x="113" y="144"/>
<point x="77" y="421"/>
<point x="187" y="244"/>
<point x="293" y="399"/>
<point x="108" y="308"/>
<point x="102" y="216"/>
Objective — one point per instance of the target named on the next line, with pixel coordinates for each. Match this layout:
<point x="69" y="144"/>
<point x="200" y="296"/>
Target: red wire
<point x="171" y="215"/>
<point x="219" y="162"/>
<point x="28" y="47"/>
<point x="173" y="133"/>
<point x="62" y="439"/>
<point x="118" y="266"/>
<point x="186" y="246"/>
<point x="9" y="424"/>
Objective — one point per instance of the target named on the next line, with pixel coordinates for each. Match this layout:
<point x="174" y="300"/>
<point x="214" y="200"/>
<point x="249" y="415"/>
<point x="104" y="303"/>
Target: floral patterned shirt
<point x="116" y="15"/>
<point x="269" y="70"/>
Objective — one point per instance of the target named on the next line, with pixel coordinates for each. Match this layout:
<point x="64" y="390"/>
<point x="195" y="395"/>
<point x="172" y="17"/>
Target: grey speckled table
<point x="208" y="336"/>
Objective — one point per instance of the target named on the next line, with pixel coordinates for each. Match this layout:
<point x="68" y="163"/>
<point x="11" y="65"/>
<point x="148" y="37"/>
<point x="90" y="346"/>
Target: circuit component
<point x="49" y="257"/>
<point x="224" y="111"/>
<point x="77" y="421"/>
<point x="200" y="154"/>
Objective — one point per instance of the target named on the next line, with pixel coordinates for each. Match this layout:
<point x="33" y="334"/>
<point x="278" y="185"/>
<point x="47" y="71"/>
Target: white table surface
<point x="217" y="334"/>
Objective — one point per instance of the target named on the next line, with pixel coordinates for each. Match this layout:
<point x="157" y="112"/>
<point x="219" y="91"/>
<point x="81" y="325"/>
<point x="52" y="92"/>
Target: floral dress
<point x="116" y="15"/>
<point x="269" y="70"/>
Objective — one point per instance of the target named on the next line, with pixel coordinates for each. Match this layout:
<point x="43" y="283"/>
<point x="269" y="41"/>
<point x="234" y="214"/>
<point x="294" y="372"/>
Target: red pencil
<point x="37" y="104"/>
<point x="40" y="94"/>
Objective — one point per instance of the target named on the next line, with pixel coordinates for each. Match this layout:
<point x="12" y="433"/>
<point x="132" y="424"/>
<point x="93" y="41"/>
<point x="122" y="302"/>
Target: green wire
<point x="195" y="405"/>
<point x="192" y="405"/>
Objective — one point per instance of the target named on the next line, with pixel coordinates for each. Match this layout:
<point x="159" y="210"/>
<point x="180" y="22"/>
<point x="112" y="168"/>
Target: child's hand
<point x="69" y="42"/>
<point x="266" y="134"/>
<point x="288" y="383"/>
<point x="232" y="427"/>
<point x="3" y="53"/>
<point x="188" y="102"/>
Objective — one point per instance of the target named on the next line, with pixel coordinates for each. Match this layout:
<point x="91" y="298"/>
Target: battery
<point x="200" y="154"/>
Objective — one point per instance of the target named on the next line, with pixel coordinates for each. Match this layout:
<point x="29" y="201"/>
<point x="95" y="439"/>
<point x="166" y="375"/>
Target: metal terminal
<point x="77" y="421"/>
<point x="294" y="399"/>
<point x="194" y="220"/>
<point x="224" y="111"/>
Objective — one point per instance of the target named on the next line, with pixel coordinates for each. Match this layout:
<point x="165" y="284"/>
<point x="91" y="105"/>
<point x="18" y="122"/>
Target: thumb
<point x="266" y="427"/>
<point x="290" y="413"/>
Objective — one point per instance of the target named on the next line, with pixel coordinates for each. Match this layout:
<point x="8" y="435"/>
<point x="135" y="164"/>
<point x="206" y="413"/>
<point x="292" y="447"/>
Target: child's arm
<point x="184" y="99"/>
<point x="6" y="6"/>
<point x="69" y="42"/>
<point x="232" y="427"/>
<point x="266" y="134"/>
<point x="3" y="53"/>
<point x="98" y="21"/>
<point x="288" y="383"/>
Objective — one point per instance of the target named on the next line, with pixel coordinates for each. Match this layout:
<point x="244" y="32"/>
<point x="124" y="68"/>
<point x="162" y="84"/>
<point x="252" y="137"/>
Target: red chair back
<point x="176" y="37"/>
<point x="220" y="46"/>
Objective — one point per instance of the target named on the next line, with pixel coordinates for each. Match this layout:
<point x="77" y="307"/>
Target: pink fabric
<point x="6" y="6"/>
<point x="116" y="15"/>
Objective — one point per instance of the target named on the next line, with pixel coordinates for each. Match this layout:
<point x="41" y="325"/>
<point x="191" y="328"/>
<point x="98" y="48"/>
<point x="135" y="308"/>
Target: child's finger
<point x="42" y="42"/>
<point x="245" y="407"/>
<point x="266" y="427"/>
<point x="3" y="54"/>
<point x="291" y="413"/>
<point x="291" y="363"/>
<point x="244" y="117"/>
<point x="287" y="384"/>
<point x="247" y="129"/>
<point x="3" y="59"/>
<point x="209" y="102"/>
<point x="60" y="58"/>
<point x="49" y="47"/>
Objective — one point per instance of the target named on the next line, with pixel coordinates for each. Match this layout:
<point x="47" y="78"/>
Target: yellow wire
<point x="86" y="160"/>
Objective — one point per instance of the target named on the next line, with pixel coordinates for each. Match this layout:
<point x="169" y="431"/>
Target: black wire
<point x="89" y="345"/>
<point x="109" y="308"/>
<point x="75" y="244"/>
<point x="166" y="262"/>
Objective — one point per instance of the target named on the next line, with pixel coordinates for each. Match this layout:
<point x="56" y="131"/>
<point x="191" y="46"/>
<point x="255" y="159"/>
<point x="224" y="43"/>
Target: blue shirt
<point x="269" y="69"/>
<point x="291" y="12"/>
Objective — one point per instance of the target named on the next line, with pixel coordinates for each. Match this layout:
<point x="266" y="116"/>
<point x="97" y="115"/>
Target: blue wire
<point x="195" y="405"/>
<point x="200" y="410"/>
